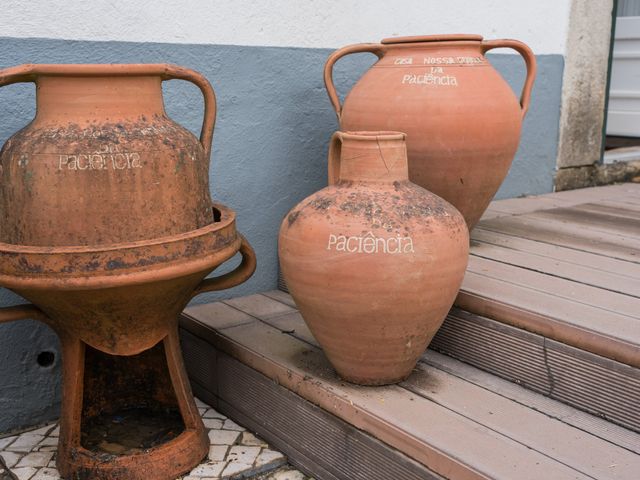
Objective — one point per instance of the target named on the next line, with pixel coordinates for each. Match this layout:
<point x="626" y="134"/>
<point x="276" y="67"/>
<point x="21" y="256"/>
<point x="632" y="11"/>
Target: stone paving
<point x="234" y="453"/>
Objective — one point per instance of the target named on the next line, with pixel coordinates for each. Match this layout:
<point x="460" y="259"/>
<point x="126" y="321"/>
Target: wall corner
<point x="584" y="88"/>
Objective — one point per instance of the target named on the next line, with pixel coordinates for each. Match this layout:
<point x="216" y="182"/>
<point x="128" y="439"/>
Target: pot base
<point x="373" y="382"/>
<point x="115" y="420"/>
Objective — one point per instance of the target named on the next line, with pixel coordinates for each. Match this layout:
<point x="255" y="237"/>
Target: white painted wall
<point x="299" y="23"/>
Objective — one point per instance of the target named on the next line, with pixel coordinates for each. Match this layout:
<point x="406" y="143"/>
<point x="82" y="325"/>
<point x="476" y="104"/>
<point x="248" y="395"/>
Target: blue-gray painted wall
<point x="269" y="149"/>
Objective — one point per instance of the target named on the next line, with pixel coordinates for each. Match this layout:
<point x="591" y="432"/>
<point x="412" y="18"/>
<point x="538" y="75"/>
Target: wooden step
<point x="551" y="299"/>
<point x="256" y="360"/>
<point x="592" y="383"/>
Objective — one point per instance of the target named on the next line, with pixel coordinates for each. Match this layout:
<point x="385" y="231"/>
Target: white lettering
<point x="86" y="165"/>
<point x="430" y="79"/>
<point x="332" y="240"/>
<point x="355" y="248"/>
<point x="453" y="60"/>
<point x="408" y="247"/>
<point x="370" y="244"/>
<point x="395" y="250"/>
<point x="107" y="156"/>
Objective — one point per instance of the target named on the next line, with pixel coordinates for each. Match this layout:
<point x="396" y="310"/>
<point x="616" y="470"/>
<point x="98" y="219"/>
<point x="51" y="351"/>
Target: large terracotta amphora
<point x="373" y="261"/>
<point x="101" y="162"/>
<point x="107" y="226"/>
<point x="461" y="118"/>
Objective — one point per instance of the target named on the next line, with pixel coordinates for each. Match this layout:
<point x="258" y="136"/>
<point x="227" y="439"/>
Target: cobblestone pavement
<point x="234" y="453"/>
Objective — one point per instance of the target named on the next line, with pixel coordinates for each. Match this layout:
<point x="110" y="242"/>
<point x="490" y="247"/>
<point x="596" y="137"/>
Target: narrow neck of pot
<point x="368" y="157"/>
<point x="107" y="99"/>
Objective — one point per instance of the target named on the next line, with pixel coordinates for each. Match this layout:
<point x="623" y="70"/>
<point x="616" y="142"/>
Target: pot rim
<point x="128" y="278"/>
<point x="448" y="37"/>
<point x="372" y="134"/>
<point x="71" y="268"/>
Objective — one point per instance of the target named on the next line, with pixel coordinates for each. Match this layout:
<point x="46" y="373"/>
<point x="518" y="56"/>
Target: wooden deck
<point x="567" y="262"/>
<point x="545" y="382"/>
<point x="551" y="299"/>
<point x="256" y="361"/>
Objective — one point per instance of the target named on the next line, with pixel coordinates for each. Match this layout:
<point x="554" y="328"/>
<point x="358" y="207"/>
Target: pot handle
<point x="529" y="60"/>
<point x="30" y="73"/>
<point x="209" y="118"/>
<point x="375" y="48"/>
<point x="335" y="146"/>
<point x="21" y="312"/>
<point x="241" y="273"/>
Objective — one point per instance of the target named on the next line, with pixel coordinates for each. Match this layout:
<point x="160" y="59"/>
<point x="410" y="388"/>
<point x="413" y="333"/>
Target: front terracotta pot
<point x="461" y="118"/>
<point x="373" y="261"/>
<point x="109" y="229"/>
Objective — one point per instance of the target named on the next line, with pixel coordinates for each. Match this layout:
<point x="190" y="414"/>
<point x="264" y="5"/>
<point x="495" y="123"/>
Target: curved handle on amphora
<point x="335" y="147"/>
<point x="529" y="60"/>
<point x="19" y="74"/>
<point x="209" y="119"/>
<point x="22" y="312"/>
<point x="240" y="274"/>
<point x="376" y="48"/>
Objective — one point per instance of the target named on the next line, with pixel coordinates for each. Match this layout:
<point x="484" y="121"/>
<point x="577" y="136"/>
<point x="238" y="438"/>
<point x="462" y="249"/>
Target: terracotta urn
<point x="461" y="118"/>
<point x="373" y="261"/>
<point x="109" y="229"/>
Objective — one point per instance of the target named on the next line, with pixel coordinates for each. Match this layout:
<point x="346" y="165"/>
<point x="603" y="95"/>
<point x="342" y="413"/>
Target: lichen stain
<point x="292" y="217"/>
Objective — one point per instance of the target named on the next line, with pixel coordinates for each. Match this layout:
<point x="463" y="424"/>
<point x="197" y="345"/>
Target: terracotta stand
<point x="121" y="351"/>
<point x="109" y="229"/>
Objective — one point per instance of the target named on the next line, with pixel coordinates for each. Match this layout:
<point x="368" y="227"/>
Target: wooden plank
<point x="317" y="436"/>
<point x="584" y="327"/>
<point x="527" y="359"/>
<point x="557" y="233"/>
<point x="557" y="253"/>
<point x="293" y="324"/>
<point x="503" y="350"/>
<point x="590" y="382"/>
<point x="312" y="439"/>
<point x="598" y="298"/>
<point x="631" y="189"/>
<point x="598" y="221"/>
<point x="632" y="198"/>
<point x="519" y="206"/>
<point x="595" y="425"/>
<point x="259" y="306"/>
<point x="218" y="315"/>
<point x="595" y="194"/>
<point x="447" y="443"/>
<point x="626" y="202"/>
<point x="580" y="273"/>
<point x="552" y="306"/>
<point x="577" y="224"/>
<point x="612" y="208"/>
<point x="605" y="388"/>
<point x="489" y="213"/>
<point x="281" y="296"/>
<point x="201" y="359"/>
<point x="582" y="451"/>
